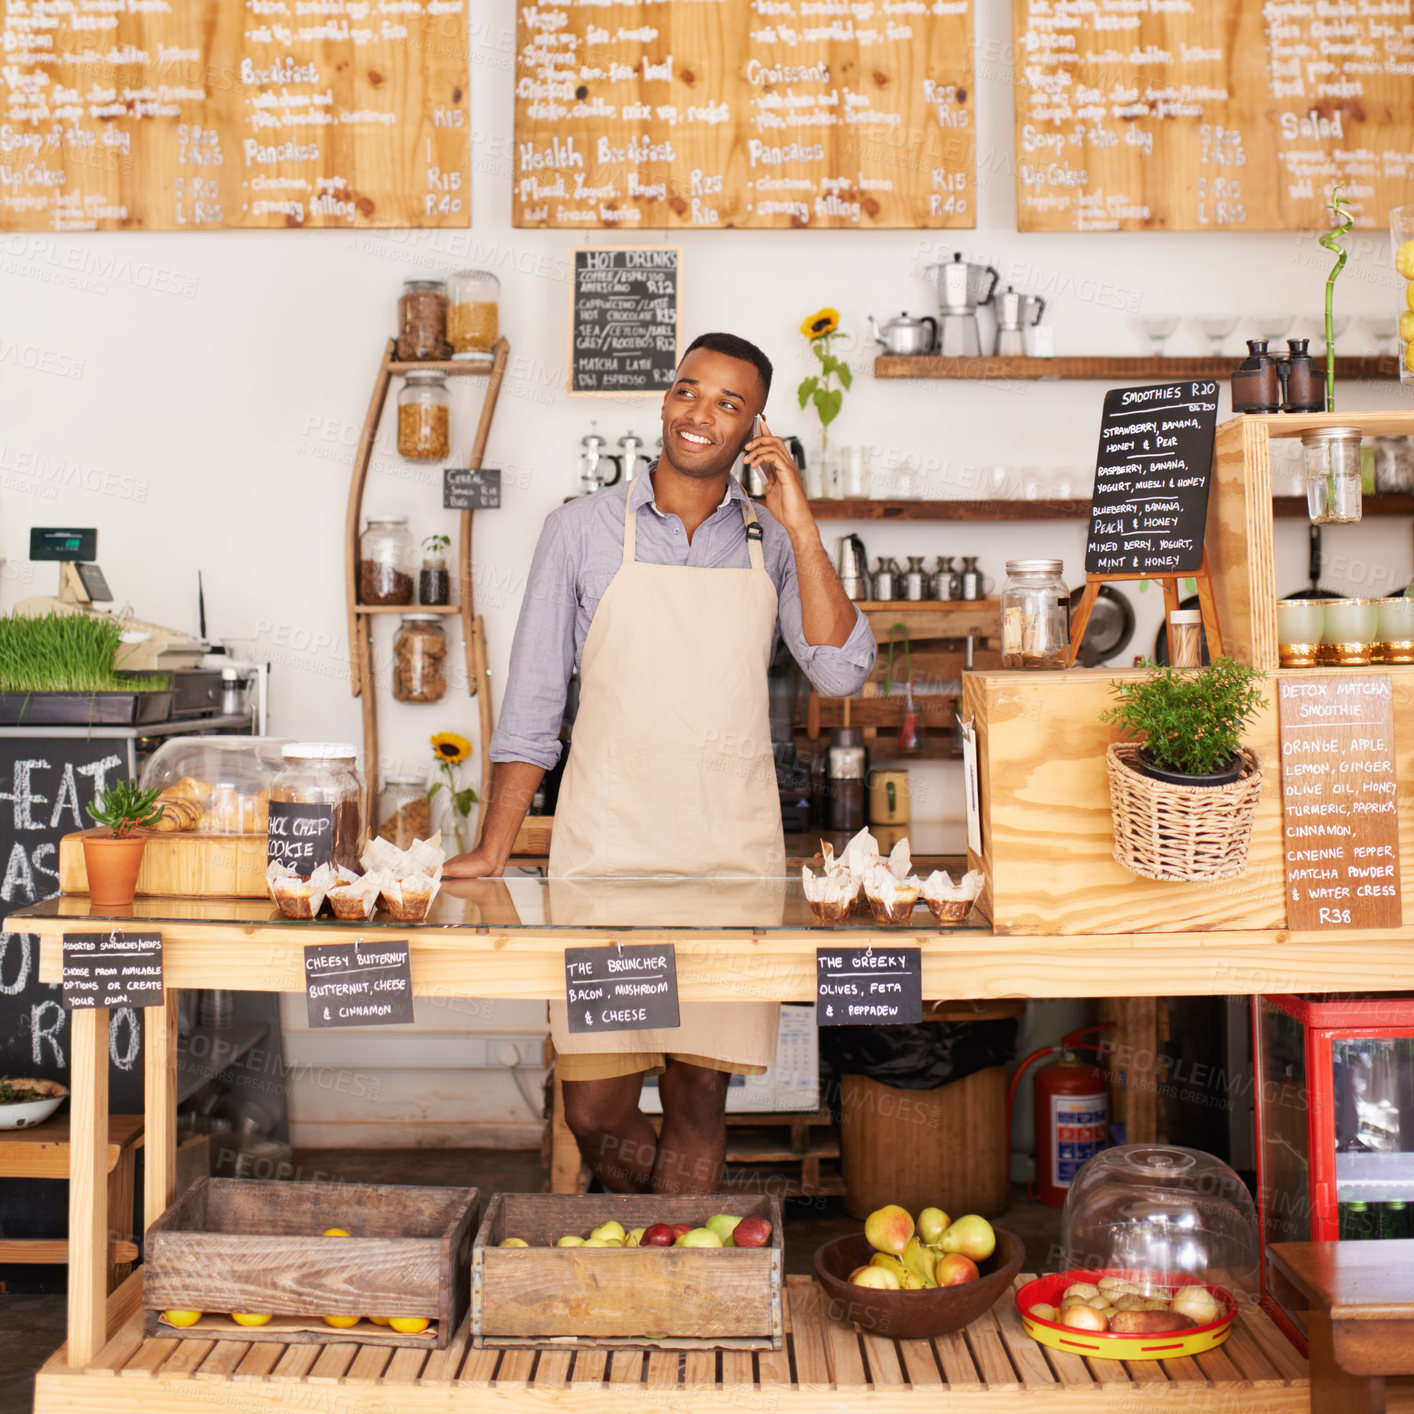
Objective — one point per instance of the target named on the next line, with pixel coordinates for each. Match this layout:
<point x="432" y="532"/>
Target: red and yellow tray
<point x="1046" y="1291"/>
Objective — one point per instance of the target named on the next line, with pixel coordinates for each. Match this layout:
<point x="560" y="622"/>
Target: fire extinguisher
<point x="1072" y="1104"/>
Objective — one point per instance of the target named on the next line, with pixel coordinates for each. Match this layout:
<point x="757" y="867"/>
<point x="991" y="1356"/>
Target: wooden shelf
<point x="456" y="368"/>
<point x="960" y="606"/>
<point x="1294" y="507"/>
<point x="865" y="509"/>
<point x="418" y="608"/>
<point x="1098" y="366"/>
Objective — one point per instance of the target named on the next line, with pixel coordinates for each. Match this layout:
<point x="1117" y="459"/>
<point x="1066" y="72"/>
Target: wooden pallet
<point x="991" y="1366"/>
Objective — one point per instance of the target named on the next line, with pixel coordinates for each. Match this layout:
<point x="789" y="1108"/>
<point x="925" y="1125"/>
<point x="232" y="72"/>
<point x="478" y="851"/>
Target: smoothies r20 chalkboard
<point x="624" y="319"/>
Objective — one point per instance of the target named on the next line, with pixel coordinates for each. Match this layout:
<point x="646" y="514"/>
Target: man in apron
<point x="668" y="592"/>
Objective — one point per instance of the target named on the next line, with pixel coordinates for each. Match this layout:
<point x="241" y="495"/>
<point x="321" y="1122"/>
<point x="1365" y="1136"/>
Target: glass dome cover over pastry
<point x="215" y="785"/>
<point x="1160" y="1211"/>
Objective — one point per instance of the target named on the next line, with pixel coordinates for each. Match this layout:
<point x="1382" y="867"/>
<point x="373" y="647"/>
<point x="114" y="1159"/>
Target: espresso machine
<point x="963" y="288"/>
<point x="1015" y="314"/>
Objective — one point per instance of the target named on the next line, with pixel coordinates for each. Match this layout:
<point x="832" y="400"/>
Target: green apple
<point x="570" y="1241"/>
<point x="702" y="1237"/>
<point x="723" y="1224"/>
<point x="514" y="1242"/>
<point x="610" y="1230"/>
<point x="635" y="1237"/>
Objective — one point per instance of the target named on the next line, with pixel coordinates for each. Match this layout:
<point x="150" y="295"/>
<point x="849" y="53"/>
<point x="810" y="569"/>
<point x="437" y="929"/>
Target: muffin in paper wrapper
<point x="832" y="896"/>
<point x="949" y="902"/>
<point x="352" y="897"/>
<point x="294" y="895"/>
<point x="891" y="899"/>
<point x="410" y="878"/>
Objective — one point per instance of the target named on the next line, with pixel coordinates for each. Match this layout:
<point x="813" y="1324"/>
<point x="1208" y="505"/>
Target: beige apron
<point x="671" y="770"/>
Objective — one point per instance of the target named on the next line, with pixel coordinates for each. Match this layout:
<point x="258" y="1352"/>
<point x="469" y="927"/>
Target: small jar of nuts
<point x="419" y="658"/>
<point x="424" y="417"/>
<point x="422" y="321"/>
<point x="473" y="313"/>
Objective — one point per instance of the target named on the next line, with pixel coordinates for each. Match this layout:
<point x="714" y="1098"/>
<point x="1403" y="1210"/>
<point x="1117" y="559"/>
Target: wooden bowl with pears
<point x="909" y="1280"/>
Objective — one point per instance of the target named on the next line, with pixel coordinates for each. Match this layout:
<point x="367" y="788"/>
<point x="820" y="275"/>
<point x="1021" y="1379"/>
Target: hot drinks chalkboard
<point x="624" y="319"/>
<point x="1151" y="481"/>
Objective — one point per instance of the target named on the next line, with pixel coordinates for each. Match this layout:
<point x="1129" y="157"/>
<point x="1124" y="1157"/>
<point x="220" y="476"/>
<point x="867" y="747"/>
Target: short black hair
<point x="735" y="347"/>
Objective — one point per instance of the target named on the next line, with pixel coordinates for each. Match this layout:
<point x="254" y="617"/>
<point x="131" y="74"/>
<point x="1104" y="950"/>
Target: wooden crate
<point x="672" y="1297"/>
<point x="191" y="865"/>
<point x="234" y="1244"/>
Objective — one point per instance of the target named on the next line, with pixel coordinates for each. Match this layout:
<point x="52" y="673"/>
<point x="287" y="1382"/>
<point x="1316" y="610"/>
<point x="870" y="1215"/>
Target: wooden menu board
<point x="624" y="319"/>
<point x="201" y="114"/>
<point x="1195" y="115"/>
<point x="1340" y="814"/>
<point x="745" y="113"/>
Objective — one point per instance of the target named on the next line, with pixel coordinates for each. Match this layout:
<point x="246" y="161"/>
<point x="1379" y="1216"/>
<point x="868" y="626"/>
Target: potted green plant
<point x="112" y="854"/>
<point x="1183" y="788"/>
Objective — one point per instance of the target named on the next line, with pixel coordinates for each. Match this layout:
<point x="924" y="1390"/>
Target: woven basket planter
<point x="1180" y="834"/>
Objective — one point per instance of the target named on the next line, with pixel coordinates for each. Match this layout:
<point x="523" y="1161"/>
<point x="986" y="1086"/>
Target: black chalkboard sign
<point x="632" y="988"/>
<point x="1150" y="503"/>
<point x="475" y="488"/>
<point x="112" y="969"/>
<point x="300" y="835"/>
<point x="360" y="983"/>
<point x="624" y="319"/>
<point x="868" y="986"/>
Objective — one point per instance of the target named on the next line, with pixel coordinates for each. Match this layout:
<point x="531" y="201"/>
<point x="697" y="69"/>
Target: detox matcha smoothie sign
<point x="1340" y="821"/>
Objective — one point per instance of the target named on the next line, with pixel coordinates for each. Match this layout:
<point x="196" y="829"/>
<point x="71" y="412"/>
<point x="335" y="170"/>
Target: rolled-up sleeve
<point x="542" y="653"/>
<point x="835" y="672"/>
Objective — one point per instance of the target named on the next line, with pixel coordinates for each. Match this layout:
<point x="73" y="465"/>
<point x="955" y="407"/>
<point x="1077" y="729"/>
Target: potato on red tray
<point x="1148" y="1322"/>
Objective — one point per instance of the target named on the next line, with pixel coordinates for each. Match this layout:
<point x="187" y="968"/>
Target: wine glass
<point x="1269" y="326"/>
<point x="1382" y="329"/>
<point x="1216" y="328"/>
<point x="1158" y="327"/>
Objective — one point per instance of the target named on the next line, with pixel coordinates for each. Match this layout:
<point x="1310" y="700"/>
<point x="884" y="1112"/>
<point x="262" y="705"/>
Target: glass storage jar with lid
<point x="434" y="584"/>
<point x="1035" y="615"/>
<point x="323" y="777"/>
<point x="419" y="655"/>
<point x="422" y="321"/>
<point x="385" y="562"/>
<point x="424" y="417"/>
<point x="404" y="810"/>
<point x="473" y="313"/>
<point x="214" y="785"/>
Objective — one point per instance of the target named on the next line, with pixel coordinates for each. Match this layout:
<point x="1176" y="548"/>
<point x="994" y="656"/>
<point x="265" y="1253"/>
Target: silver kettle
<point x="906" y="335"/>
<point x="852" y="561"/>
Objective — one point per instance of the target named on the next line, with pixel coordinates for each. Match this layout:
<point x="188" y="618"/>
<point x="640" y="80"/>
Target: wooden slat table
<point x="991" y="1366"/>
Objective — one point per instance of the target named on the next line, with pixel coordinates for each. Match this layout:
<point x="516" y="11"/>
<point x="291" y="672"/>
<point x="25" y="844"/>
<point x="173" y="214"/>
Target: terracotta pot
<point x="112" y="866"/>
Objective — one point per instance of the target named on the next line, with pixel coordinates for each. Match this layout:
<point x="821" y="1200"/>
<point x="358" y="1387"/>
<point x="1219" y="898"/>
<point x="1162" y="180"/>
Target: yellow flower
<point x="448" y="746"/>
<point x="818" y="325"/>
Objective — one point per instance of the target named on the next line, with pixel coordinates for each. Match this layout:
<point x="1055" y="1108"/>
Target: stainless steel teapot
<point x="906" y="335"/>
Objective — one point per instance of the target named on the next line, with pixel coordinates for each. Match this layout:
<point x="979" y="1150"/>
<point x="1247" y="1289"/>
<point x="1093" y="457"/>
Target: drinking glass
<point x="1350" y="631"/>
<point x="1300" y="628"/>
<point x="1158" y="327"/>
<point x="1396" y="629"/>
<point x="1216" y="328"/>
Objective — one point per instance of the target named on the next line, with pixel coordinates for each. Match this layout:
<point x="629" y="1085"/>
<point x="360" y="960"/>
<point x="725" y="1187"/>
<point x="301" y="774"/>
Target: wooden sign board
<point x="113" y="969"/>
<point x="1340" y="817"/>
<point x="1211" y="116"/>
<point x="358" y="983"/>
<point x="633" y="988"/>
<point x="788" y="114"/>
<point x="625" y="319"/>
<point x="1150" y="503"/>
<point x="862" y="987"/>
<point x="206" y="114"/>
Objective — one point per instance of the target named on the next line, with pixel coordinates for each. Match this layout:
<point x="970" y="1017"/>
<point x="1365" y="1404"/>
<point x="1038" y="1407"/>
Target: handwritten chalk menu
<point x="864" y="987"/>
<point x="1340" y="821"/>
<point x="745" y="113"/>
<point x="360" y="983"/>
<point x="113" y="969"/>
<point x="471" y="488"/>
<point x="1209" y="115"/>
<point x="1151" y="480"/>
<point x="299" y="835"/>
<point x="624" y="319"/>
<point x="632" y="988"/>
<point x="194" y="115"/>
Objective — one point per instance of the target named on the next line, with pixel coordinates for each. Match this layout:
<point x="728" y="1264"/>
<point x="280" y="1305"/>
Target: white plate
<point x="28" y="1113"/>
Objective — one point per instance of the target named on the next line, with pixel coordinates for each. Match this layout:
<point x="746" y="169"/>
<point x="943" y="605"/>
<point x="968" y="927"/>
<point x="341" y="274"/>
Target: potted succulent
<point x="112" y="854"/>
<point x="1183" y="788"/>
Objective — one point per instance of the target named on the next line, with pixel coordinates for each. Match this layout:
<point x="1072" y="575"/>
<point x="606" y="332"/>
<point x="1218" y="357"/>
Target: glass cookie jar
<point x="1035" y="615"/>
<point x="322" y="776"/>
<point x="424" y="417"/>
<point x="385" y="561"/>
<point x="473" y="313"/>
<point x="419" y="659"/>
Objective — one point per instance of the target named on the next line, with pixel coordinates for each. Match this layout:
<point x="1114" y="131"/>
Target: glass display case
<point x="1335" y="1123"/>
<point x="215" y="785"/>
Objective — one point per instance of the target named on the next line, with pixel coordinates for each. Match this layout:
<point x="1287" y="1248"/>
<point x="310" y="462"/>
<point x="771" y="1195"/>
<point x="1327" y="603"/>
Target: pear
<point x="877" y="1277"/>
<point x="570" y="1240"/>
<point x="723" y="1224"/>
<point x="610" y="1230"/>
<point x="702" y="1237"/>
<point x="919" y="1260"/>
<point x="888" y="1229"/>
<point x="932" y="1223"/>
<point x="602" y="1242"/>
<point x="913" y="1282"/>
<point x="973" y="1237"/>
<point x="514" y="1242"/>
<point x="635" y="1237"/>
<point x="889" y="1264"/>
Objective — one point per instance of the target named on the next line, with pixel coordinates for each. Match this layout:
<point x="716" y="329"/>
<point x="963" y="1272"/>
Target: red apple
<point x="659" y="1235"/>
<point x="680" y="1229"/>
<point x="953" y="1269"/>
<point x="752" y="1232"/>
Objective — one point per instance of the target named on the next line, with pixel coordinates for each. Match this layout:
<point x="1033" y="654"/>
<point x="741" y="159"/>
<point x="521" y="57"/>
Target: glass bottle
<point x="422" y="321"/>
<point x="847" y="767"/>
<point x="473" y="313"/>
<point x="1035" y="615"/>
<point x="424" y="417"/>
<point x="419" y="658"/>
<point x="1333" y="476"/>
<point x="434" y="584"/>
<point x="325" y="774"/>
<point x="404" y="810"/>
<point x="384" y="562"/>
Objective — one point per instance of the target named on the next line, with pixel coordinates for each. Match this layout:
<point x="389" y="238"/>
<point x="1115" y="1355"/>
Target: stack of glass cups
<point x="1396" y="630"/>
<point x="1351" y="628"/>
<point x="1300" y="627"/>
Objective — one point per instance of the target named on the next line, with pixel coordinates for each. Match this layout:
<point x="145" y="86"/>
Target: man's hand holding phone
<point x="785" y="496"/>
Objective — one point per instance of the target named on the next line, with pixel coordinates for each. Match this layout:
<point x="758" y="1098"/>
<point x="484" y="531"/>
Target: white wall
<point x="198" y="397"/>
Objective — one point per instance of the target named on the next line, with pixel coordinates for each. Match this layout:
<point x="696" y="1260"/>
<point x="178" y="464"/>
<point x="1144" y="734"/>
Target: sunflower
<point x="448" y="746"/>
<point x="822" y="323"/>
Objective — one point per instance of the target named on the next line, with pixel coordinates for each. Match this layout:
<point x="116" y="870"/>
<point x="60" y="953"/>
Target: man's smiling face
<point x="709" y="411"/>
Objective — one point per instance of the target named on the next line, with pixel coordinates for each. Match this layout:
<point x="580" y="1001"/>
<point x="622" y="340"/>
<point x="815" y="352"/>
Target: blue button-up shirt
<point x="581" y="549"/>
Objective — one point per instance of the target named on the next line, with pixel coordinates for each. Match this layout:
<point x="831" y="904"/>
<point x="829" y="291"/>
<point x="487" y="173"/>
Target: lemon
<point x="1406" y="327"/>
<point x="335" y="1232"/>
<point x="409" y="1325"/>
<point x="1409" y="357"/>
<point x="342" y="1323"/>
<point x="379" y="1320"/>
<point x="1409" y="294"/>
<point x="182" y="1318"/>
<point x="245" y="1318"/>
<point x="1404" y="260"/>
